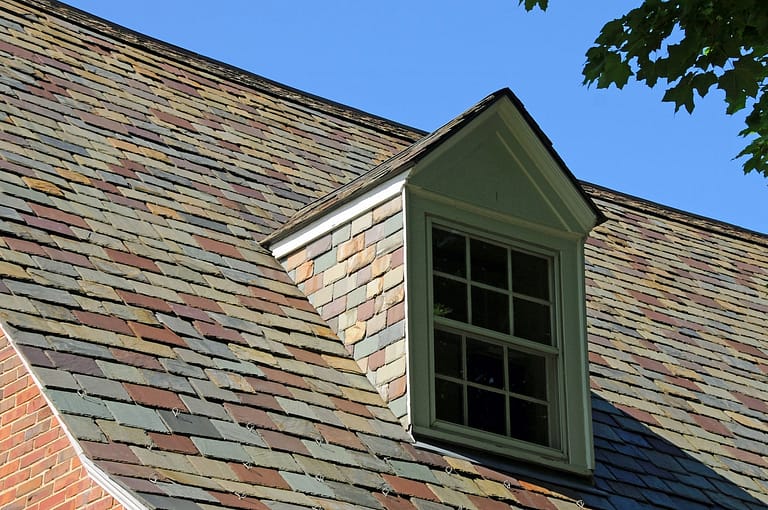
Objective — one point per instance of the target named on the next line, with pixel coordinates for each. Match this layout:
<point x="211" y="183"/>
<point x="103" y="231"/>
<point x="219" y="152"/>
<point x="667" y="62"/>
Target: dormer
<point x="454" y="274"/>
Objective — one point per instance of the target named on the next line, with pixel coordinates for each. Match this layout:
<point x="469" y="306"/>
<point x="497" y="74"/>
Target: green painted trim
<point x="573" y="402"/>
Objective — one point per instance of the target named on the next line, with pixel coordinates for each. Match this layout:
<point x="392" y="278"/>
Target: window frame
<point x="550" y="353"/>
<point x="569" y="383"/>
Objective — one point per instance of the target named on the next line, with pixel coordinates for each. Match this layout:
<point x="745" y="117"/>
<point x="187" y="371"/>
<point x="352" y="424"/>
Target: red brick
<point x="154" y="397"/>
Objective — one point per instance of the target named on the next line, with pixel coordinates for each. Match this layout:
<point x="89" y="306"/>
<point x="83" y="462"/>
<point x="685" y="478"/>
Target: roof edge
<point x="660" y="210"/>
<point x="223" y="70"/>
<point x="414" y="153"/>
<point x="99" y="477"/>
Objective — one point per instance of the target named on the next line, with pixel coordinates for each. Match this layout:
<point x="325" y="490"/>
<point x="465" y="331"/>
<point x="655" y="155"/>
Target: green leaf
<point x="530" y="4"/>
<point x="702" y="82"/>
<point x="681" y="94"/>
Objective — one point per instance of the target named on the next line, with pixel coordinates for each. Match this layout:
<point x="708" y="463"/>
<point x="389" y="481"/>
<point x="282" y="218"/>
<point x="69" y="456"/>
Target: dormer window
<point x="454" y="273"/>
<point x="496" y="334"/>
<point x="494" y="347"/>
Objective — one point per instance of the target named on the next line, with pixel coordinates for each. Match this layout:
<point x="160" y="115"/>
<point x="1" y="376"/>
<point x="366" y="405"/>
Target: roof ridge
<point x="657" y="209"/>
<point x="225" y="71"/>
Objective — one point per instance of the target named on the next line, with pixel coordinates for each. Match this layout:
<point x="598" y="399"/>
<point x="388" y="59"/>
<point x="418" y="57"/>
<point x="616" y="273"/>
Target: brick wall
<point x="354" y="276"/>
<point x="39" y="469"/>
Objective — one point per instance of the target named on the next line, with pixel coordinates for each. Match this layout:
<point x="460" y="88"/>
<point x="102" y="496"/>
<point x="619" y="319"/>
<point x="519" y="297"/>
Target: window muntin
<point x="491" y="286"/>
<point x="494" y="351"/>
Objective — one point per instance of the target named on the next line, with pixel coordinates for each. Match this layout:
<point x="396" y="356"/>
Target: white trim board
<point x="344" y="214"/>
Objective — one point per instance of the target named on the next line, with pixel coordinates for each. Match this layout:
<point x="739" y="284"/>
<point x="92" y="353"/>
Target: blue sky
<point x="422" y="63"/>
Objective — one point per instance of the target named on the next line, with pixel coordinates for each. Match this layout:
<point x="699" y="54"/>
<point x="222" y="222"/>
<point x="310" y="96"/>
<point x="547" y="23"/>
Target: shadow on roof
<point x="635" y="464"/>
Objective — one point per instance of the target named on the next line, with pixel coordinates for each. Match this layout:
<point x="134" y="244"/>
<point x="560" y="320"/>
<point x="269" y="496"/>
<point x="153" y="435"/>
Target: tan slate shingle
<point x="136" y="181"/>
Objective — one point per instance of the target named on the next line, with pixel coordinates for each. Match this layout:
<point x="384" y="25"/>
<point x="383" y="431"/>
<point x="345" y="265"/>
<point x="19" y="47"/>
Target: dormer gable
<point x="499" y="160"/>
<point x="489" y="183"/>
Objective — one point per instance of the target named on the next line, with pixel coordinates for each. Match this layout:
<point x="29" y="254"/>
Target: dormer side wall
<point x="354" y="276"/>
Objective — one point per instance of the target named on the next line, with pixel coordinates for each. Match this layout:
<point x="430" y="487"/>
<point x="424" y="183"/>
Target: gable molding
<point x="327" y="223"/>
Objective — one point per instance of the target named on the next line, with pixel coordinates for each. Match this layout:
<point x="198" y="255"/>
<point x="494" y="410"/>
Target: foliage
<point x="691" y="45"/>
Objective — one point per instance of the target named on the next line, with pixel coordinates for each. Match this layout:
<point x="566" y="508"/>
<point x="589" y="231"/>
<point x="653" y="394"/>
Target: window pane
<point x="530" y="275"/>
<point x="528" y="421"/>
<point x="486" y="410"/>
<point x="449" y="253"/>
<point x="448" y="354"/>
<point x="449" y="401"/>
<point x="488" y="263"/>
<point x="532" y="321"/>
<point x="527" y="374"/>
<point x="490" y="309"/>
<point x="450" y="299"/>
<point x="485" y="363"/>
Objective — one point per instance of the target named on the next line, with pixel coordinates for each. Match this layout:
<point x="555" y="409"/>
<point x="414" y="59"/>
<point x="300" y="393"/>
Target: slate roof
<point x="407" y="158"/>
<point x="136" y="181"/>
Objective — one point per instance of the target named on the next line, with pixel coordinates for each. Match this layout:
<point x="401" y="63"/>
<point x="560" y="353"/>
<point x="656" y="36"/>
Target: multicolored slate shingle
<point x="136" y="183"/>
